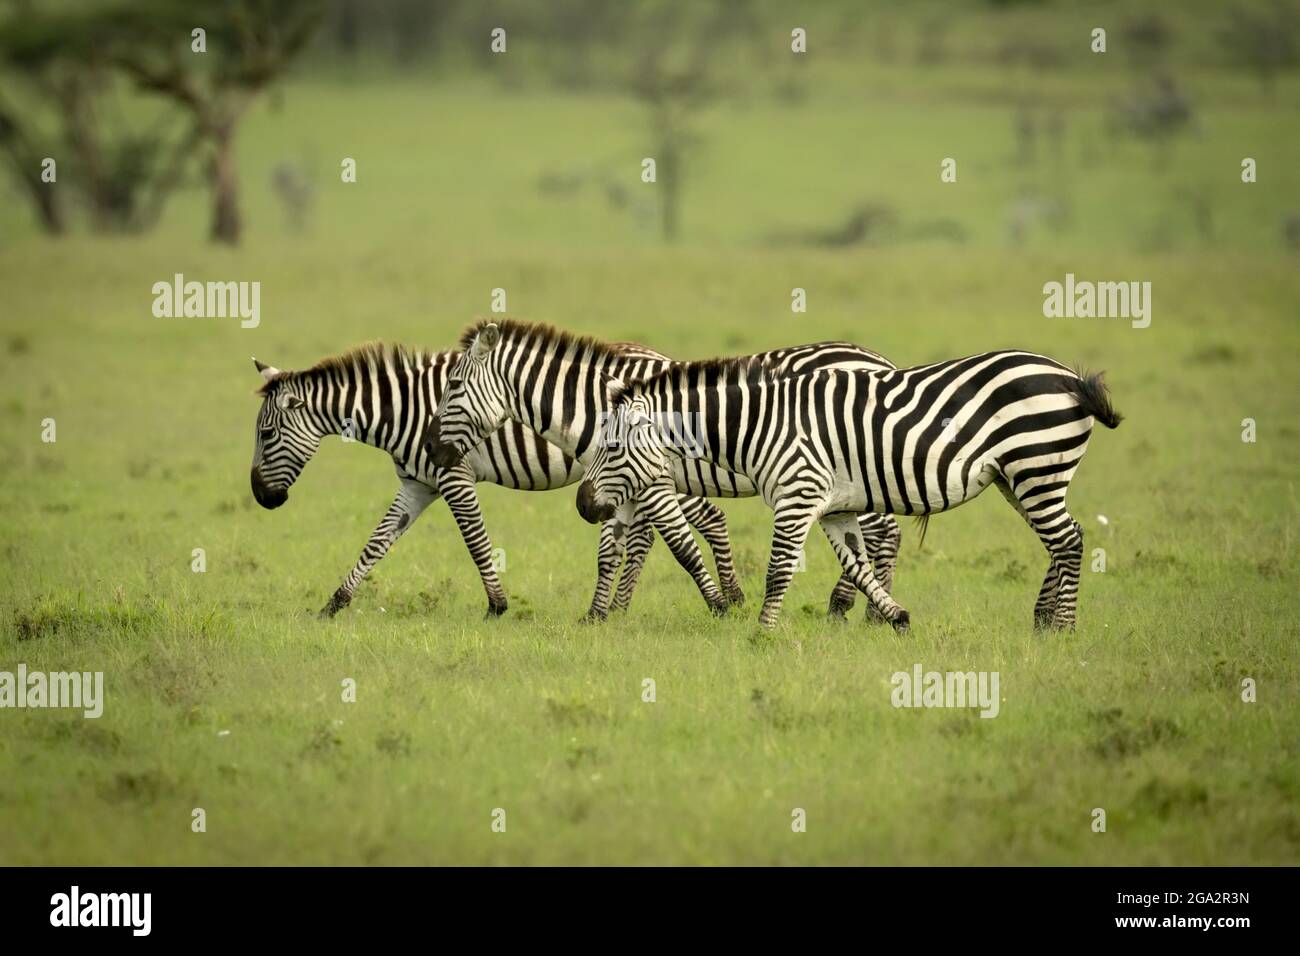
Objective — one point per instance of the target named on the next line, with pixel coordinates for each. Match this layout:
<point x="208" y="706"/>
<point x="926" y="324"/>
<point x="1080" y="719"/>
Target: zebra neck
<point x="563" y="397"/>
<point x="354" y="406"/>
<point x="736" y="425"/>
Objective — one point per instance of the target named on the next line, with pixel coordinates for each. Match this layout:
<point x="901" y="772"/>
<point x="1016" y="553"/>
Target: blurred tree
<point x="1147" y="37"/>
<point x="347" y="27"/>
<point x="679" y="47"/>
<point x="68" y="54"/>
<point x="249" y="43"/>
<point x="25" y="158"/>
<point x="120" y="173"/>
<point x="1263" y="39"/>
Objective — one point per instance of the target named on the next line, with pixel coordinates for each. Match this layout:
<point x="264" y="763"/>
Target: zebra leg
<point x="843" y="530"/>
<point x="1067" y="559"/>
<point x="711" y="521"/>
<point x="1045" y="606"/>
<point x="639" y="541"/>
<point x="457" y="486"/>
<point x="412" y="498"/>
<point x="843" y="598"/>
<point x="609" y="555"/>
<point x="1062" y="536"/>
<point x="789" y="532"/>
<point x="881" y="536"/>
<point x="660" y="504"/>
<point x="1059" y="594"/>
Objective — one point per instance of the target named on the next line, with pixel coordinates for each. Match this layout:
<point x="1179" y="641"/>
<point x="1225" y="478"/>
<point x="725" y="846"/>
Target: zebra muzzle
<point x="588" y="507"/>
<point x="268" y="497"/>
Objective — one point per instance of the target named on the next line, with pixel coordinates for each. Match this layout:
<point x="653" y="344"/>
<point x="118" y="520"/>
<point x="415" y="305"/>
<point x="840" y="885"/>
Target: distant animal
<point x="294" y="188"/>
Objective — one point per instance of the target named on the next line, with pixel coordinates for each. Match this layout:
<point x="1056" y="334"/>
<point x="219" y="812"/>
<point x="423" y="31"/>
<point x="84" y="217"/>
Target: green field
<point x="223" y="689"/>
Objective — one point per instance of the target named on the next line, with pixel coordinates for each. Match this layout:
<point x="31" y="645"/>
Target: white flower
<point x="223" y="733"/>
<point x="1103" y="520"/>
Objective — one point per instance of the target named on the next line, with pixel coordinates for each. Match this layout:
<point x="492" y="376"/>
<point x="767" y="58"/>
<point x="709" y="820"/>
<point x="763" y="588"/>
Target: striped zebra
<point x="832" y="444"/>
<point x="382" y="395"/>
<point x="557" y="384"/>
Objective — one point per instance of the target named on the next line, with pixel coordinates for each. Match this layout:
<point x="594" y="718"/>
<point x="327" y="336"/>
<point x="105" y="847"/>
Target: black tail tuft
<point x="1090" y="391"/>
<point x="922" y="523"/>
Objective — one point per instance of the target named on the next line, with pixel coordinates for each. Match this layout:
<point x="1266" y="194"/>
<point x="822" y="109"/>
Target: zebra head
<point x="631" y="455"/>
<point x="287" y="437"/>
<point x="474" y="404"/>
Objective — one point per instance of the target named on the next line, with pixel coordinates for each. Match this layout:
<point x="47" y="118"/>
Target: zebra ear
<point x="268" y="371"/>
<point x="615" y="387"/>
<point x="486" y="340"/>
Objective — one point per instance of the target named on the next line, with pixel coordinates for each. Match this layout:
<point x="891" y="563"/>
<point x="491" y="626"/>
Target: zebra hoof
<point x="838" y="610"/>
<point x="719" y="608"/>
<point x="593" y="617"/>
<point x="735" y="597"/>
<point x="903" y="622"/>
<point x="337" y="602"/>
<point x="495" y="610"/>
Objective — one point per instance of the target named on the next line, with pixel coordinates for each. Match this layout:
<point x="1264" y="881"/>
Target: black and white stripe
<point x="383" y="396"/>
<point x="829" y="445"/>
<point x="560" y="386"/>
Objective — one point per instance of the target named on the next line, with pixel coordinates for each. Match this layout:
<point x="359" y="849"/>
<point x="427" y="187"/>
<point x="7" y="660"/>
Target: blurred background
<point x="1137" y="147"/>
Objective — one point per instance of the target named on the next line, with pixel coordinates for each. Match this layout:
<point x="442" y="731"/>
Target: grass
<point x="224" y="692"/>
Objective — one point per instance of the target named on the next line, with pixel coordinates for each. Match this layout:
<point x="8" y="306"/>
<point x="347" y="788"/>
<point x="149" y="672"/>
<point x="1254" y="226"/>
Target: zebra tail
<point x="922" y="522"/>
<point x="1090" y="391"/>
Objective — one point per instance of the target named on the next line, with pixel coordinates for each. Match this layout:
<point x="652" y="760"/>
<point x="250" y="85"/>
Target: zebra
<point x="831" y="444"/>
<point x="556" y="383"/>
<point x="382" y="395"/>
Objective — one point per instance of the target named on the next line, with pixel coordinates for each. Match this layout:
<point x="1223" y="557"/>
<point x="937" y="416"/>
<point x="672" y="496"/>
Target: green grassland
<point x="1138" y="712"/>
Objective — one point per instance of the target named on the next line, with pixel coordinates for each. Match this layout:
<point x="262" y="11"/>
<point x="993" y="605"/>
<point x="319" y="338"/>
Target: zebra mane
<point x="378" y="353"/>
<point x="746" y="370"/>
<point x="542" y="333"/>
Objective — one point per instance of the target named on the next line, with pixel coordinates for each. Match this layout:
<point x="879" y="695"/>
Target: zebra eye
<point x="266" y="432"/>
<point x="454" y="382"/>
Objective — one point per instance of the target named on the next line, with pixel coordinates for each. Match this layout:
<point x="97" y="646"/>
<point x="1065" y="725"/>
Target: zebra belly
<point x="851" y="492"/>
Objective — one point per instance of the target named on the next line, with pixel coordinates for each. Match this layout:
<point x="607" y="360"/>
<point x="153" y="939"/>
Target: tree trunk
<point x="48" y="209"/>
<point x="27" y="167"/>
<point x="226" y="224"/>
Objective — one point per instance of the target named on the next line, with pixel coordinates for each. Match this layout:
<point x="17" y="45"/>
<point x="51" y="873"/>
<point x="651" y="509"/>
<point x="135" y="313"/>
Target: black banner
<point x="337" y="905"/>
